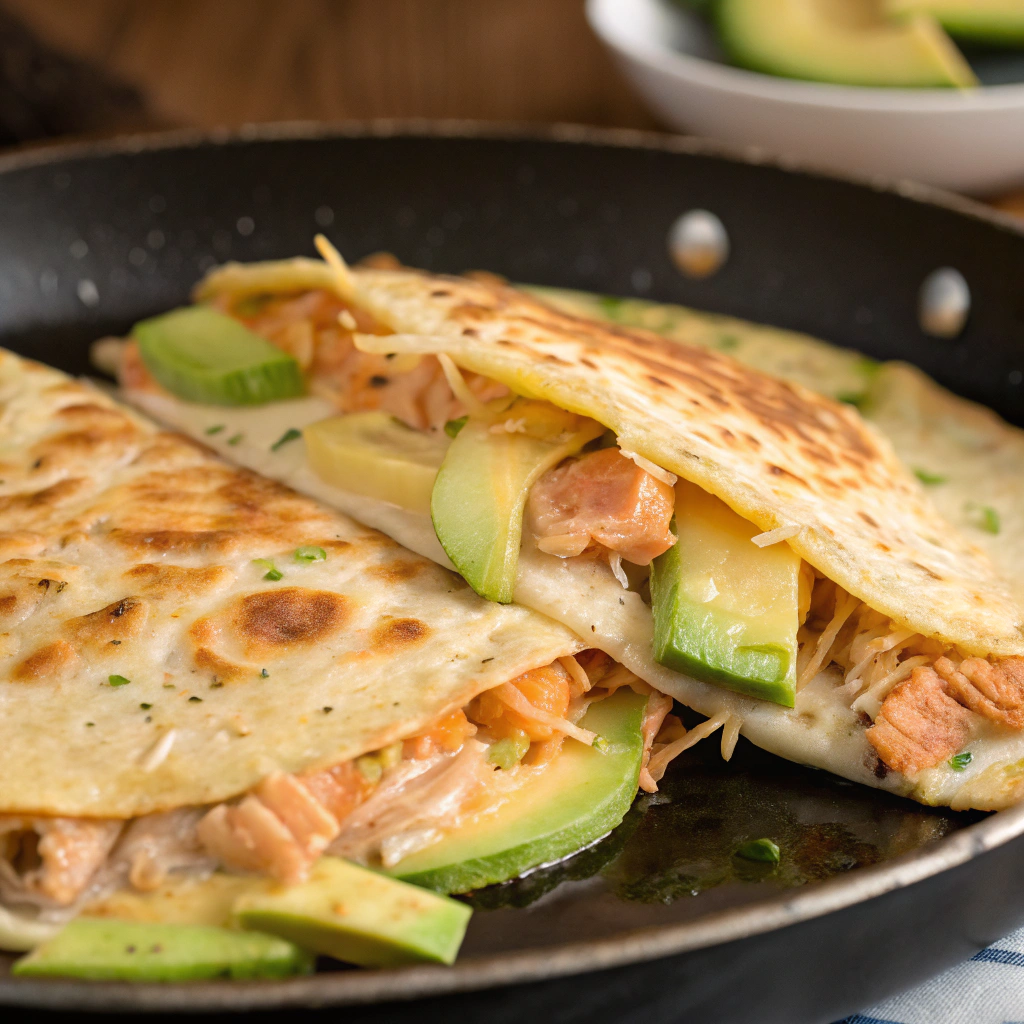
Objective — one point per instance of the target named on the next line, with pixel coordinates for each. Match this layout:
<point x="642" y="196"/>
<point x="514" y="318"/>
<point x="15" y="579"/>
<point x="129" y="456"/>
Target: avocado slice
<point x="481" y="489"/>
<point x="725" y="610"/>
<point x="373" y="453"/>
<point x="996" y="22"/>
<point x="108" y="950"/>
<point x="359" y="916"/>
<point x="201" y="355"/>
<point x="573" y="802"/>
<point x="841" y="41"/>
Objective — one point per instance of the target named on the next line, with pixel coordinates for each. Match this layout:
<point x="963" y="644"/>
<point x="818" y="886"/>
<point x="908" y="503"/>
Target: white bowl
<point x="967" y="140"/>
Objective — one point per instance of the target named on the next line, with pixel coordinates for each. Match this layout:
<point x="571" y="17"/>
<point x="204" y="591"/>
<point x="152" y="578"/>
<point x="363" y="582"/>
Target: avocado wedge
<point x="108" y="950"/>
<point x="726" y="610"/>
<point x="201" y="355"/>
<point x="841" y="41"/>
<point x="575" y="801"/>
<point x="481" y="489"/>
<point x="359" y="916"/>
<point x="995" y="22"/>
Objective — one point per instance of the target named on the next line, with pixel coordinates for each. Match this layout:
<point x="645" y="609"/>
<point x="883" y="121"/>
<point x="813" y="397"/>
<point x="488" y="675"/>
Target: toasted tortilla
<point x="773" y="450"/>
<point x="146" y="660"/>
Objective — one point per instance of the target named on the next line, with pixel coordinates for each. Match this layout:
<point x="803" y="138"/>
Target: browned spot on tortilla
<point x="55" y="659"/>
<point x="868" y="519"/>
<point x="222" y="670"/>
<point x="394" y="634"/>
<point x="120" y="621"/>
<point x="589" y="363"/>
<point x="274" y="620"/>
<point x="656" y="380"/>
<point x="160" y="581"/>
<point x="48" y="498"/>
<point x="398" y="571"/>
<point x="928" y="572"/>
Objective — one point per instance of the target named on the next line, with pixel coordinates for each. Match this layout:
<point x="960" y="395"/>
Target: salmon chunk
<point x="55" y="858"/>
<point x="995" y="691"/>
<point x="279" y="829"/>
<point x="605" y="498"/>
<point x="919" y="724"/>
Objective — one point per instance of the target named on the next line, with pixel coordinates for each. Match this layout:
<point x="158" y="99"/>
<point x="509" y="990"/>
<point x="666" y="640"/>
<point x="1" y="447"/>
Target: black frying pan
<point x="659" y="921"/>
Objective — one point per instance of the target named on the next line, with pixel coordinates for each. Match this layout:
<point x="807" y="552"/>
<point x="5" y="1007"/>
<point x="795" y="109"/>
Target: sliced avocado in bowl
<point x="994" y="22"/>
<point x="109" y="950"/>
<point x="571" y="803"/>
<point x="844" y="42"/>
<point x="725" y="610"/>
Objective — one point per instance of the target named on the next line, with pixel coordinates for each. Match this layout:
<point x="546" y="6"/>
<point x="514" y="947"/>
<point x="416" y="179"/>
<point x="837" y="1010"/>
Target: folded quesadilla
<point x="205" y="674"/>
<point x="751" y="548"/>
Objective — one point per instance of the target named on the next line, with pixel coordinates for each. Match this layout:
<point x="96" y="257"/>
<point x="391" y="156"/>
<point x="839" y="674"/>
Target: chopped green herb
<point x="264" y="673"/>
<point x="216" y="685"/>
<point x="90" y="725"/>
<point x="310" y="555"/>
<point x="116" y="643"/>
<point x="958" y="762"/>
<point x="234" y="440"/>
<point x="195" y="700"/>
<point x="984" y="517"/>
<point x="452" y="427"/>
<point x="610" y="306"/>
<point x="327" y="709"/>
<point x="858" y="399"/>
<point x="273" y="573"/>
<point x="763" y="850"/>
<point x="868" y="366"/>
<point x="291" y="434"/>
<point x="145" y="707"/>
<point x="215" y="429"/>
<point x="118" y="681"/>
<point x="928" y="478"/>
<point x="728" y="342"/>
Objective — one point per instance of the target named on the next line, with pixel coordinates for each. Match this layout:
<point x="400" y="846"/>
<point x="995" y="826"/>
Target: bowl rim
<point x="753" y="85"/>
<point x="583" y="956"/>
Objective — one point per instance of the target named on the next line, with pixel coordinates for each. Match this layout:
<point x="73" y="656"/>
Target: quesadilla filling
<point x="377" y="809"/>
<point x="581" y="495"/>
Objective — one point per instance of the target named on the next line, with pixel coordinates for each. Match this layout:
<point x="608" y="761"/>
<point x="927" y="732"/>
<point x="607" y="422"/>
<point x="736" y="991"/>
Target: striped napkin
<point x="988" y="989"/>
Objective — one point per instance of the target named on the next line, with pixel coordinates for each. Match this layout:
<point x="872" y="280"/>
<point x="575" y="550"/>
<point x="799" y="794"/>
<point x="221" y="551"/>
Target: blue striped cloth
<point x="988" y="989"/>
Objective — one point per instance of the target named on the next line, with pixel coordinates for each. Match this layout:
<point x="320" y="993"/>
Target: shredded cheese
<point x="157" y="754"/>
<point x="344" y="285"/>
<point x="776" y="536"/>
<point x="730" y="735"/>
<point x="845" y="606"/>
<point x="645" y="464"/>
<point x="576" y="671"/>
<point x="615" y="563"/>
<point x="459" y="386"/>
<point x="660" y="761"/>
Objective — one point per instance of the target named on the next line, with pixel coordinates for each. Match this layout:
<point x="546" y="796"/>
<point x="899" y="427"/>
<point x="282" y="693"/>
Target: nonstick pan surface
<point x="658" y="921"/>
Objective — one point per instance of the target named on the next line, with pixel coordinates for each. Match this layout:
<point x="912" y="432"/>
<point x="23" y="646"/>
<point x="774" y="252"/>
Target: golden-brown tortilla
<point x="146" y="662"/>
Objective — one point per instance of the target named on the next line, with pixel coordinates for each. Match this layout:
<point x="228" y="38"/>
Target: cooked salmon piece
<point x="607" y="499"/>
<point x="995" y="691"/>
<point x="341" y="788"/>
<point x="919" y="724"/>
<point x="546" y="689"/>
<point x="55" y="858"/>
<point x="279" y="829"/>
<point x="445" y="736"/>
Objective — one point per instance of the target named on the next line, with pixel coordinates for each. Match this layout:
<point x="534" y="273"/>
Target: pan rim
<point x="773" y="913"/>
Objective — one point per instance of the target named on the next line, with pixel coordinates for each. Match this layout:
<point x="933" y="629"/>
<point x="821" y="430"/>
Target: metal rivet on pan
<point x="944" y="303"/>
<point x="698" y="243"/>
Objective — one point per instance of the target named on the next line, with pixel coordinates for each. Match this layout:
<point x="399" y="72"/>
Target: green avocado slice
<point x="573" y="802"/>
<point x="201" y="355"/>
<point x="840" y="41"/>
<point x="725" y="610"/>
<point x="109" y="950"/>
<point x="359" y="916"/>
<point x="480" y="491"/>
<point x="996" y="22"/>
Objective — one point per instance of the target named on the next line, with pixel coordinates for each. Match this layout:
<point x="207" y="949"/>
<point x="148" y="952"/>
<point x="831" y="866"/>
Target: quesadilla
<point x="749" y="547"/>
<point x="206" y="675"/>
